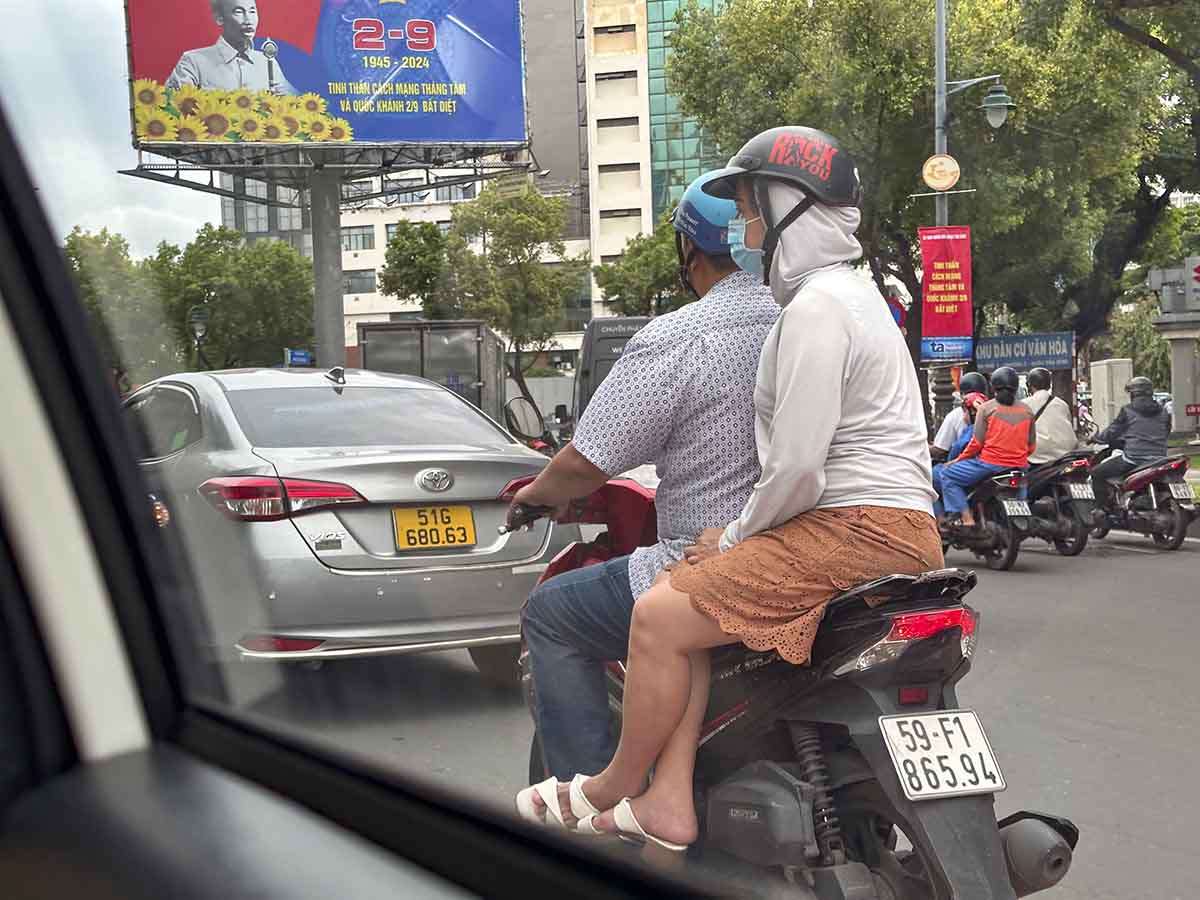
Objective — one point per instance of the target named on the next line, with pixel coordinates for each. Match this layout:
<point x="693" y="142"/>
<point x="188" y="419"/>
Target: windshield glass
<point x="358" y="417"/>
<point x="462" y="192"/>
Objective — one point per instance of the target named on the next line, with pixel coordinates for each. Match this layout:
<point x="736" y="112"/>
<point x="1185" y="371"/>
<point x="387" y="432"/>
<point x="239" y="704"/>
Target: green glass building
<point x="679" y="151"/>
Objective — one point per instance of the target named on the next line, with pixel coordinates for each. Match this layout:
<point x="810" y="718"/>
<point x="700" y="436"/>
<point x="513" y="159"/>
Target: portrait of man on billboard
<point x="232" y="62"/>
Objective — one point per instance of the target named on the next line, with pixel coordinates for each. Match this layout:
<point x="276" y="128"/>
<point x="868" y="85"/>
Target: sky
<point x="65" y="94"/>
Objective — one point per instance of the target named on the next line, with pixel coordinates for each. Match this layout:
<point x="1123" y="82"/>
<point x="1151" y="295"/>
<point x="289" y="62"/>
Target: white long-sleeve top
<point x="838" y="416"/>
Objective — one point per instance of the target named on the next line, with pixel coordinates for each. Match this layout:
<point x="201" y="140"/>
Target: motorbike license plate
<point x="941" y="754"/>
<point x="423" y="527"/>
<point x="1016" y="508"/>
<point x="1082" y="492"/>
<point x="1181" y="490"/>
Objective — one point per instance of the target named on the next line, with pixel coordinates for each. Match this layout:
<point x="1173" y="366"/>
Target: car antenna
<point x="337" y="374"/>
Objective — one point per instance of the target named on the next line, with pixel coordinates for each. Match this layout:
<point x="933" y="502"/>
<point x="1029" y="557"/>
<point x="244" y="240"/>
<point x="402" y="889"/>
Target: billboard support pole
<point x="325" y="198"/>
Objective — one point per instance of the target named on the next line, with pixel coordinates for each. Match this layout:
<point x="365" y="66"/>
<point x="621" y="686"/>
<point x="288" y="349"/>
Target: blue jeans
<point x="938" y="468"/>
<point x="573" y="624"/>
<point x="959" y="477"/>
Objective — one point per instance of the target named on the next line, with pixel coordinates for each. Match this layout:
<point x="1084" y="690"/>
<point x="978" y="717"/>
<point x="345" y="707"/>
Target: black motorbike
<point x="1153" y="499"/>
<point x="1061" y="500"/>
<point x="807" y="777"/>
<point x="1002" y="521"/>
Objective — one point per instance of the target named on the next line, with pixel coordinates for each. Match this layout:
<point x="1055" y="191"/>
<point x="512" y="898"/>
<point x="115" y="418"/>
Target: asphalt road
<point x="1085" y="680"/>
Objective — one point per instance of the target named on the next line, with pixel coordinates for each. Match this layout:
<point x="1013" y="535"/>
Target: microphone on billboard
<point x="270" y="50"/>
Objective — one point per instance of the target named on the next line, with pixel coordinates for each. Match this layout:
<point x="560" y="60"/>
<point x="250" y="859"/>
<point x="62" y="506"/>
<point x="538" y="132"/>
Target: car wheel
<point x="497" y="662"/>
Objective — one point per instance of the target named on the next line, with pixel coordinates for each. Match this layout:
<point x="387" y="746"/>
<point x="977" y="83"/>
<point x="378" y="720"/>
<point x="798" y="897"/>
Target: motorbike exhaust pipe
<point x="1037" y="856"/>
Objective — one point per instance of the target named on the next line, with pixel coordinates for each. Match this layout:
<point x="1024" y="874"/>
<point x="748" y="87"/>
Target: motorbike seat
<point x="1142" y="467"/>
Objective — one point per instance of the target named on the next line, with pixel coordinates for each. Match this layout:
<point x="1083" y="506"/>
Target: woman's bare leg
<point x="667" y="809"/>
<point x="665" y="632"/>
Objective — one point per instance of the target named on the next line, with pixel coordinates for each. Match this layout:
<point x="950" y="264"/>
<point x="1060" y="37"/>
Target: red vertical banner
<point x="947" y="322"/>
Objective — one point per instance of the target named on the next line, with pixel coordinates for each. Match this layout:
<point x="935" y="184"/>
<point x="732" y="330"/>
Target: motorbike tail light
<point x="510" y="489"/>
<point x="1014" y="481"/>
<point x="918" y="626"/>
<point x="1075" y="466"/>
<point x="263" y="499"/>
<point x="265" y="643"/>
<point x="912" y="696"/>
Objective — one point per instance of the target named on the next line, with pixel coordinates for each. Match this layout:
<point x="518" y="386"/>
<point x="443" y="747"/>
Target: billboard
<point x="326" y="71"/>
<point x="947" y="323"/>
<point x="1054" y="350"/>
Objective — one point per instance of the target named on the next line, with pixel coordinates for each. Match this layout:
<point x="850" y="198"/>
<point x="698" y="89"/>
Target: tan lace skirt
<point x="771" y="590"/>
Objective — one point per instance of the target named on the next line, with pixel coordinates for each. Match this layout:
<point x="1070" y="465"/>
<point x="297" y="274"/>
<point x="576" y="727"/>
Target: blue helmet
<point x="704" y="218"/>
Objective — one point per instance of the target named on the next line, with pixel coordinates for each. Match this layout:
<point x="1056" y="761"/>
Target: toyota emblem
<point x="436" y="480"/>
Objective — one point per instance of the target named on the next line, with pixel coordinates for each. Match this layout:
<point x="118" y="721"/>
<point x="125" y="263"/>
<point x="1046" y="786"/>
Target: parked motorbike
<point x="1153" y="499"/>
<point x="1002" y="521"/>
<point x="806" y="777"/>
<point x="1061" y="500"/>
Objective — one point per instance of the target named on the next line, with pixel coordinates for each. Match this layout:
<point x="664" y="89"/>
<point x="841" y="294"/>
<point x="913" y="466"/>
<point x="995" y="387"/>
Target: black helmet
<point x="1140" y="387"/>
<point x="1039" y="379"/>
<point x="810" y="159"/>
<point x="973" y="382"/>
<point x="1005" y="379"/>
<point x="805" y="157"/>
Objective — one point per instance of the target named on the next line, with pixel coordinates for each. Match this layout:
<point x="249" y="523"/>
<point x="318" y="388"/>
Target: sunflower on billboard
<point x="274" y="129"/>
<point x="242" y="100"/>
<point x="312" y="105"/>
<point x="189" y="130"/>
<point x="155" y="125"/>
<point x="268" y="103"/>
<point x="318" y="128"/>
<point x="340" y="130"/>
<point x="249" y="126"/>
<point x="215" y="117"/>
<point x="186" y="99"/>
<point x="148" y="94"/>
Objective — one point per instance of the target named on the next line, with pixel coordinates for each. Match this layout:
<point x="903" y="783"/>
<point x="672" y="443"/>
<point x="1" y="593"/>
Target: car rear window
<point x="359" y="417"/>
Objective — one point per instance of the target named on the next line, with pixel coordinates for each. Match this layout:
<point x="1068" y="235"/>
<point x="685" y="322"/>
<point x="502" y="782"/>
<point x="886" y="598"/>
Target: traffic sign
<point x="297" y="357"/>
<point x="1192" y="409"/>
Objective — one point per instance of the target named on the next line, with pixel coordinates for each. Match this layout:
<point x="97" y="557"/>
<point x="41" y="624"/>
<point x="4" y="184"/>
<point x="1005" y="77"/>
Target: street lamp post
<point x="996" y="105"/>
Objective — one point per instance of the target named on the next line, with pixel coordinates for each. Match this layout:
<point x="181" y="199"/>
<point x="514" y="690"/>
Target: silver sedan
<point x="340" y="514"/>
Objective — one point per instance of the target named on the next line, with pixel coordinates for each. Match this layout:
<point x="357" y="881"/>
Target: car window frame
<point x="145" y="574"/>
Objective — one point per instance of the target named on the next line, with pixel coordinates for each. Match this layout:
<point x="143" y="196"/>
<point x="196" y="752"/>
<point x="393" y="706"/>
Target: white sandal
<point x="581" y="807"/>
<point x="630" y="829"/>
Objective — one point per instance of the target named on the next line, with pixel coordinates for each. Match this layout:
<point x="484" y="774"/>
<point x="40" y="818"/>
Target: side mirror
<point x="560" y="413"/>
<point x="523" y="419"/>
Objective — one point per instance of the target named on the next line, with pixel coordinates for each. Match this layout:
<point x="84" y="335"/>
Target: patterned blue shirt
<point x="682" y="397"/>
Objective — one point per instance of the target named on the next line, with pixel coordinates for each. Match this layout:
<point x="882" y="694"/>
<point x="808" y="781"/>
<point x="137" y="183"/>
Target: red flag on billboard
<point x="946" y="285"/>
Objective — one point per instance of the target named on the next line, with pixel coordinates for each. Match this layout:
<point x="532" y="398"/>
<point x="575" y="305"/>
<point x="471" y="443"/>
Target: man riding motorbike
<point x="971" y="404"/>
<point x="1055" y="431"/>
<point x="682" y="397"/>
<point x="1143" y="426"/>
<point x="954" y="426"/>
<point x="1003" y="439"/>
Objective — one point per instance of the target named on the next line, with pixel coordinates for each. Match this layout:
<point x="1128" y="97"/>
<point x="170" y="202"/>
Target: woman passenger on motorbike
<point x="1003" y="439"/>
<point x="844" y="495"/>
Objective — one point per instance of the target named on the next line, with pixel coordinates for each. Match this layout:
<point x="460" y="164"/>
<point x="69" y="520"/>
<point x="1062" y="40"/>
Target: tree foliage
<point x="1132" y="335"/>
<point x="1057" y="210"/>
<point x="122" y="306"/>
<point x="414" y="262"/>
<point x="507" y="264"/>
<point x="645" y="280"/>
<point x="259" y="296"/>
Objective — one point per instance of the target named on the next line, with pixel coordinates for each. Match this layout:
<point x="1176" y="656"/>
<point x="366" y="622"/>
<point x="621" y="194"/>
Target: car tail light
<point x="510" y="489"/>
<point x="262" y="499"/>
<point x="912" y="696"/>
<point x="910" y="627"/>
<point x="262" y="643"/>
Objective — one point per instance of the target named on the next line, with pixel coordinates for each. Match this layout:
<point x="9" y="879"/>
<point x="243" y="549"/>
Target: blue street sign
<point x="298" y="357"/>
<point x="1053" y="350"/>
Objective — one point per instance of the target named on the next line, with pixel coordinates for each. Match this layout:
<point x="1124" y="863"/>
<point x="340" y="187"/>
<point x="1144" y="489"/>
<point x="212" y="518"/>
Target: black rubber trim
<point x="35" y="739"/>
<point x="84" y="413"/>
<point x="432" y="828"/>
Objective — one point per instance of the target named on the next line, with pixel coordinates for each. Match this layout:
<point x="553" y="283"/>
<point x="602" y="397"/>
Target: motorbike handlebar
<point x="521" y="516"/>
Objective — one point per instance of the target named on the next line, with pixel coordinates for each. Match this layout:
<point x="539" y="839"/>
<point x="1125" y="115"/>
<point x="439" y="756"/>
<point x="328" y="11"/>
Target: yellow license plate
<point x="426" y="527"/>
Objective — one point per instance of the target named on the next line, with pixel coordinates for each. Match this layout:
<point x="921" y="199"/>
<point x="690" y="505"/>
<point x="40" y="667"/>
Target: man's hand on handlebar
<point x="528" y="506"/>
